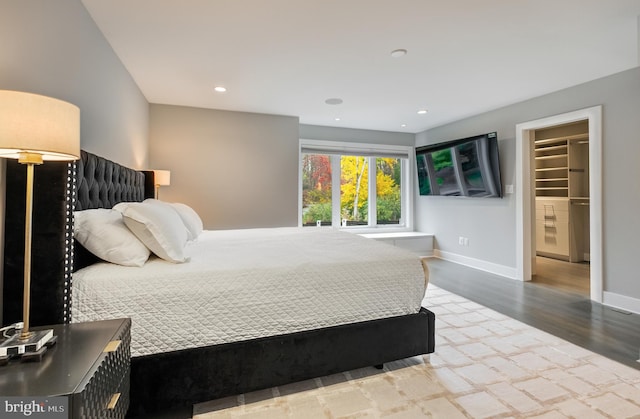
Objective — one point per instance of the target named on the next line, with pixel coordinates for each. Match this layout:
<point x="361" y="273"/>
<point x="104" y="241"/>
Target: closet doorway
<point x="561" y="176"/>
<point x="587" y="192"/>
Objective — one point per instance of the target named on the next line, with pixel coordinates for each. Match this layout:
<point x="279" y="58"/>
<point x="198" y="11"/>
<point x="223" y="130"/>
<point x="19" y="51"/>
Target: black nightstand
<point x="90" y="365"/>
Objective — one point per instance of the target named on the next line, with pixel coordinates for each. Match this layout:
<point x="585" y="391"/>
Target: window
<point x="355" y="185"/>
<point x="389" y="190"/>
<point x="316" y="189"/>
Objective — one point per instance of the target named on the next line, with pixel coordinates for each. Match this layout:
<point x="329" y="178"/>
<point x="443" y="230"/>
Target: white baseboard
<point x="494" y="268"/>
<point x="621" y="301"/>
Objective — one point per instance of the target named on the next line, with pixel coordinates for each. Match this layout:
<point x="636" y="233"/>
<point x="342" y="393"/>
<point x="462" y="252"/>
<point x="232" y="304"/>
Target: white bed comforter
<point x="244" y="284"/>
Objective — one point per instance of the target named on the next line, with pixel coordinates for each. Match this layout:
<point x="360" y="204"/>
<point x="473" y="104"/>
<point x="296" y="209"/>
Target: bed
<point x="201" y="354"/>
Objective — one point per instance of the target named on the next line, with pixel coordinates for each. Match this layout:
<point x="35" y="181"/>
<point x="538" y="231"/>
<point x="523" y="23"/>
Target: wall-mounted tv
<point x="467" y="167"/>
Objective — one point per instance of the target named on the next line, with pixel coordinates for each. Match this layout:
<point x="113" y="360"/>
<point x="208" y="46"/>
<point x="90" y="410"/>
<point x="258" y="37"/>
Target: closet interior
<point x="562" y="191"/>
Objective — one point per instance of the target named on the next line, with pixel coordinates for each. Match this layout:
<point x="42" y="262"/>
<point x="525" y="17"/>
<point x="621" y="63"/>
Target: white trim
<point x="396" y="235"/>
<point x="494" y="268"/>
<point x="335" y="192"/>
<point x="525" y="235"/>
<point x="299" y="186"/>
<point x="621" y="301"/>
<point x="372" y="208"/>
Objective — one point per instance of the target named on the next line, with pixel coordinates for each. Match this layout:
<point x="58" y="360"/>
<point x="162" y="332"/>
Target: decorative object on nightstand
<point x="161" y="178"/>
<point x="34" y="128"/>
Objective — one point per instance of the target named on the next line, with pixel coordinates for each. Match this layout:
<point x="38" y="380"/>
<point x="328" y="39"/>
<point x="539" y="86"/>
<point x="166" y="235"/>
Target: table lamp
<point x="161" y="178"/>
<point x="33" y="129"/>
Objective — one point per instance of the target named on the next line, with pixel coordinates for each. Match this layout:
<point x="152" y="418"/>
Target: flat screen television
<point x="468" y="167"/>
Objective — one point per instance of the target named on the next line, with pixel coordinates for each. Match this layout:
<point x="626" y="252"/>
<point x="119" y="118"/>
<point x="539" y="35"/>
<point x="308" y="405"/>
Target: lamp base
<point x="39" y="339"/>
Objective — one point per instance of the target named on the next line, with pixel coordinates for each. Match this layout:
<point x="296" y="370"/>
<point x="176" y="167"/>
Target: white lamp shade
<point x="162" y="177"/>
<point x="38" y="124"/>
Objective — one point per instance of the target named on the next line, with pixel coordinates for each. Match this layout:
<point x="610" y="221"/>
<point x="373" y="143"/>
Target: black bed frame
<point x="177" y="379"/>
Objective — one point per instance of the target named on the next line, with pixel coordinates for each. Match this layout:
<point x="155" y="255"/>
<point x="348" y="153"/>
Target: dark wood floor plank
<point x="568" y="315"/>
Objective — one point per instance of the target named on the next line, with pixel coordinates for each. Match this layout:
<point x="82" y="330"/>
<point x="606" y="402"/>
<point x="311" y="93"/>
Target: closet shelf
<point x="552" y="156"/>
<point x="584" y="136"/>
<point x="551" y="148"/>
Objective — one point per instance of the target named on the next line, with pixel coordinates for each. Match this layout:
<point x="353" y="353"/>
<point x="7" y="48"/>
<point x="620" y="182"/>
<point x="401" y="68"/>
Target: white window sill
<point x="415" y="241"/>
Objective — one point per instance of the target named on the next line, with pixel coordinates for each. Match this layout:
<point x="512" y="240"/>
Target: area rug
<point x="486" y="365"/>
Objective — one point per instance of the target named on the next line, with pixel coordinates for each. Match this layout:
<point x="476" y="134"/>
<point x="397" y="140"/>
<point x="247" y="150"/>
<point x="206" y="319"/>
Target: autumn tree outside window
<point x="355" y="185"/>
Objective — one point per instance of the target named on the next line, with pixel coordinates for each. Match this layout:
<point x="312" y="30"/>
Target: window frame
<point x="372" y="151"/>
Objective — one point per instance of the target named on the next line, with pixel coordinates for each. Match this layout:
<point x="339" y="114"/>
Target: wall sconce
<point x="34" y="129"/>
<point x="161" y="178"/>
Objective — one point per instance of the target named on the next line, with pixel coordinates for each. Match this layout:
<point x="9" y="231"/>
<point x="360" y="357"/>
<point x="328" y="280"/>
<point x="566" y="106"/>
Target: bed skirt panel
<point x="182" y="378"/>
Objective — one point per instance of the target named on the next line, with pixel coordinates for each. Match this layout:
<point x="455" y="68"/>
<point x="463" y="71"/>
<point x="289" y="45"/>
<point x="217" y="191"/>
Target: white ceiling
<point x="288" y="56"/>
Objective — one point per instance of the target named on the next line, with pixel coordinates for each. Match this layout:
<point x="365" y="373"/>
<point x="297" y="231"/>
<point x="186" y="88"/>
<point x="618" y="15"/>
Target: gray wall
<point x="236" y="169"/>
<point x="55" y="49"/>
<point x="490" y="224"/>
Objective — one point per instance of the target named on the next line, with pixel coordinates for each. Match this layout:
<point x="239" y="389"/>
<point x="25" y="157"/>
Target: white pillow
<point x="103" y="233"/>
<point x="190" y="218"/>
<point x="158" y="227"/>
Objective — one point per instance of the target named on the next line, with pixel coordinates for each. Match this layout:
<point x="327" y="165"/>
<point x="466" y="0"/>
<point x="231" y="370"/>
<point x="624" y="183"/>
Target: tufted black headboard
<point x="102" y="183"/>
<point x="59" y="189"/>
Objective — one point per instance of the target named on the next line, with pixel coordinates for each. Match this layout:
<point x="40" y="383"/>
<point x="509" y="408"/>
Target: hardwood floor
<point x="569" y="315"/>
<point x="561" y="275"/>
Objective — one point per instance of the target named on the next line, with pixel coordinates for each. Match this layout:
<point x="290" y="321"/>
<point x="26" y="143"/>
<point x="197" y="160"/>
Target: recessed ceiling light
<point x="220" y="89"/>
<point x="422" y="111"/>
<point x="396" y="53"/>
<point x="333" y="101"/>
<point x="403" y="125"/>
<point x="337" y="119"/>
